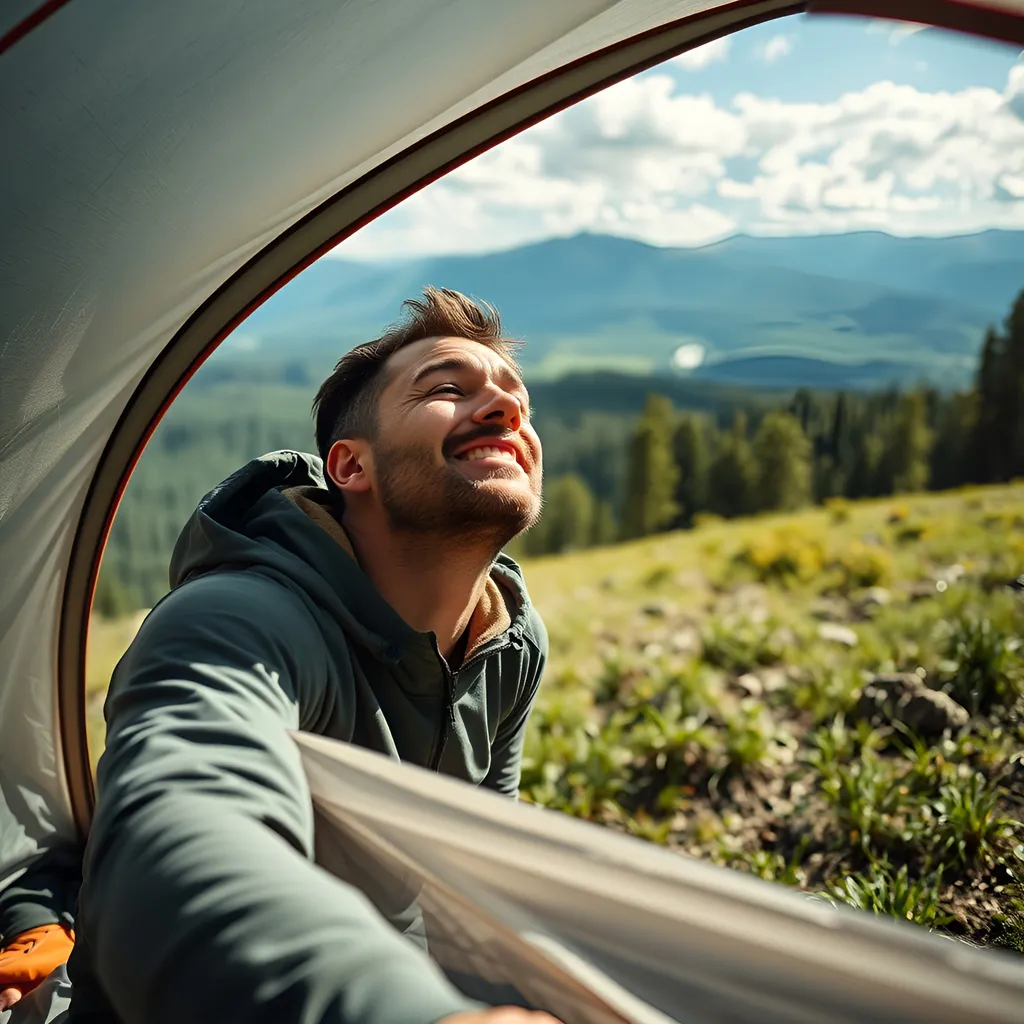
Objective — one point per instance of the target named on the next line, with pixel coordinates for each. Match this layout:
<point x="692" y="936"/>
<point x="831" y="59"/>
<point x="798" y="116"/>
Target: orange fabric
<point x="28" y="958"/>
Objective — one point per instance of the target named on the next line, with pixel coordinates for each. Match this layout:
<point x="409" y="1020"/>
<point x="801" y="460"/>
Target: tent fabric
<point x="599" y="927"/>
<point x="168" y="164"/>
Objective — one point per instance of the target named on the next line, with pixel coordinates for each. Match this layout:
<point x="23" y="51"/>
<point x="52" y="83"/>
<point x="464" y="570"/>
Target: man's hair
<point x="346" y="404"/>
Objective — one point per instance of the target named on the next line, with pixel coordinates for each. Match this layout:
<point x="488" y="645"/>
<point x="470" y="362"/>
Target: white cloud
<point x="702" y="56"/>
<point x="776" y="48"/>
<point x="646" y="159"/>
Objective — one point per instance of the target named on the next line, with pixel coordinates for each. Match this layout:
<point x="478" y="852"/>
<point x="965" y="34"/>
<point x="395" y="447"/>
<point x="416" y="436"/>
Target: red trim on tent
<point x="34" y="20"/>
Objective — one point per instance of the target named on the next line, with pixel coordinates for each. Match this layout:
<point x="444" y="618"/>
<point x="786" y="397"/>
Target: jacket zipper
<point x="447" y="719"/>
<point x="451" y="678"/>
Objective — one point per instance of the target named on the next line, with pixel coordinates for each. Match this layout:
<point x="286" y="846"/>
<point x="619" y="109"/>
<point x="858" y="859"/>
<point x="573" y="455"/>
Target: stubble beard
<point x="420" y="500"/>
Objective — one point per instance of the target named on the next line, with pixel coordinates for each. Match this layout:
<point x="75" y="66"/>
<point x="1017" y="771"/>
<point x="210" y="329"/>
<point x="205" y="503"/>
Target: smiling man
<point x="361" y="596"/>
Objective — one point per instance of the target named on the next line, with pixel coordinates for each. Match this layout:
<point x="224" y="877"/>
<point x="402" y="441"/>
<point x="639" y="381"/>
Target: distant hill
<point x="856" y="310"/>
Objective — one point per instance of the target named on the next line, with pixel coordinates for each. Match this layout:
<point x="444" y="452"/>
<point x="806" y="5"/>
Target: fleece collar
<point x="492" y="615"/>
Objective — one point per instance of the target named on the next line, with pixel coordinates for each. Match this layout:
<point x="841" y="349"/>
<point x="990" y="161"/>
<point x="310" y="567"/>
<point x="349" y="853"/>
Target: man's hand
<point x="500" y="1015"/>
<point x="29" y="958"/>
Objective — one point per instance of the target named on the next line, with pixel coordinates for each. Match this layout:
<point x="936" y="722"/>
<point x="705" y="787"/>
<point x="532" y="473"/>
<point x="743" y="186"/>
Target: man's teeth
<point x="488" y="453"/>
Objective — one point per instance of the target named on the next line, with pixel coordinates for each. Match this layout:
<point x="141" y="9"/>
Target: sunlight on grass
<point x="830" y="699"/>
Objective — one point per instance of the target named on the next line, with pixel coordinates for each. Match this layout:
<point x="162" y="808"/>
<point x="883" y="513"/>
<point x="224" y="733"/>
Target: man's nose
<point x="500" y="407"/>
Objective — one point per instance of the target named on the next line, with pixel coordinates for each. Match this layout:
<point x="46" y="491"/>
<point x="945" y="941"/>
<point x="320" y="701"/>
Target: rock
<point x="875" y="597"/>
<point x="751" y="684"/>
<point x="830" y="609"/>
<point x="836" y="634"/>
<point x="921" y="591"/>
<point x="686" y="641"/>
<point x="659" y="609"/>
<point x="950" y="574"/>
<point x="932" y="712"/>
<point x="869" y="601"/>
<point x="905" y="698"/>
<point x="784" y="637"/>
<point x="774" y="679"/>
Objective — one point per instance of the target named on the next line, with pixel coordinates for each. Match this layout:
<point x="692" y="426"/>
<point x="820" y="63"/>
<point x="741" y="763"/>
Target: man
<point x="368" y="603"/>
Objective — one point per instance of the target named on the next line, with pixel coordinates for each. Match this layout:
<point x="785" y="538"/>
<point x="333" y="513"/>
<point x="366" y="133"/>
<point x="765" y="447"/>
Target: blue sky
<point x="828" y="56"/>
<point x="804" y="125"/>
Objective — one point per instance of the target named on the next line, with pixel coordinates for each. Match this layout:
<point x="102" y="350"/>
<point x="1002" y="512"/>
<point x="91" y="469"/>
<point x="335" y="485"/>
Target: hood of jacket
<point x="270" y="515"/>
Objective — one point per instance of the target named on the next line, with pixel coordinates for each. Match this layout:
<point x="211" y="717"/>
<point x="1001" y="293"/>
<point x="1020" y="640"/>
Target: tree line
<point x="680" y="464"/>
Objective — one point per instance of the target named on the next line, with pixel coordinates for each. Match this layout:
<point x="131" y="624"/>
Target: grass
<point x="702" y="693"/>
<point x="894" y="894"/>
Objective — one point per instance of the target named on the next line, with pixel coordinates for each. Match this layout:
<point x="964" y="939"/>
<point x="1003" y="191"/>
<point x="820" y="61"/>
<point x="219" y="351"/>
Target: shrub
<point x="862" y="565"/>
<point x="772" y="866"/>
<point x="742" y="646"/>
<point x="1011" y="913"/>
<point x="910" y="532"/>
<point x="783" y="556"/>
<point x="968" y="825"/>
<point x="980" y="659"/>
<point x="838" y="510"/>
<point x="657" y="575"/>
<point x="867" y="799"/>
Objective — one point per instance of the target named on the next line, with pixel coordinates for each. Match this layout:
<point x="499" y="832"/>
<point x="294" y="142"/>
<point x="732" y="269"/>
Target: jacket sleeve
<point x="45" y="893"/>
<point x="507" y="748"/>
<point x="200" y="901"/>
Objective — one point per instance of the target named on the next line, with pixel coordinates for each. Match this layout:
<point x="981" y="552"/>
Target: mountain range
<point x="854" y="310"/>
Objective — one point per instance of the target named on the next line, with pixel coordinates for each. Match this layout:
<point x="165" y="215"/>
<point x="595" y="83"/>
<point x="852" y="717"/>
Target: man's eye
<point x="447" y="389"/>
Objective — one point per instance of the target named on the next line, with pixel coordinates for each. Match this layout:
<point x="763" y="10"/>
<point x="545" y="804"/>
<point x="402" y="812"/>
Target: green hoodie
<point x="200" y="901"/>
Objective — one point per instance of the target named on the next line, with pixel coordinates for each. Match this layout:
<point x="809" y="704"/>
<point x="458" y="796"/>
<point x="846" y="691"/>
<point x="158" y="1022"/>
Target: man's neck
<point x="434" y="583"/>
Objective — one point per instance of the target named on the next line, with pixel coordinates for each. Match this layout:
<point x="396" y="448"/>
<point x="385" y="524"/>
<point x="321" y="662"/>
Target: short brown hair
<point x="346" y="404"/>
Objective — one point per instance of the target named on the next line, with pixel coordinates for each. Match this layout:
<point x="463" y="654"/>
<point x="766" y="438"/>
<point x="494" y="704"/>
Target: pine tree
<point x="604" y="529"/>
<point x="690" y="449"/>
<point x="732" y="474"/>
<point x="802" y="408"/>
<point x="1013" y="394"/>
<point x="567" y="522"/>
<point x="782" y="453"/>
<point x="998" y="442"/>
<point x="988" y="453"/>
<point x="865" y="479"/>
<point x="840" y="452"/>
<point x="651" y="473"/>
<point x="908" y="445"/>
<point x="112" y="599"/>
<point x="950" y="462"/>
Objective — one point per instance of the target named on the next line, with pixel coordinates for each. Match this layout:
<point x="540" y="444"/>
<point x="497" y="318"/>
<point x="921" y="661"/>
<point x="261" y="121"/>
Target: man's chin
<point x="505" y="510"/>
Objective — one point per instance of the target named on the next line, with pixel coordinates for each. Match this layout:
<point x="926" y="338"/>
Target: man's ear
<point x="349" y="464"/>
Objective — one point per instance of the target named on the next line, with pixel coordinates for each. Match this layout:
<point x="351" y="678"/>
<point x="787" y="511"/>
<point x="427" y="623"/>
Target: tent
<point x="168" y="166"/>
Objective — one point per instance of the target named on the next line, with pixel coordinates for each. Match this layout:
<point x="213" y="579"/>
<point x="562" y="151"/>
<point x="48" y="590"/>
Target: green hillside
<point x="710" y="690"/>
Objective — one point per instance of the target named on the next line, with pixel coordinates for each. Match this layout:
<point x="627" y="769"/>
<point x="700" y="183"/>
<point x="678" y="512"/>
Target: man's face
<point x="455" y="451"/>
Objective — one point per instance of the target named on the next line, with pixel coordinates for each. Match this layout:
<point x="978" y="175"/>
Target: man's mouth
<point x="502" y="451"/>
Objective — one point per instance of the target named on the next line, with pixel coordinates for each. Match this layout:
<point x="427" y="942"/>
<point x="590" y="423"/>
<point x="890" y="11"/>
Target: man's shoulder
<point x="234" y="598"/>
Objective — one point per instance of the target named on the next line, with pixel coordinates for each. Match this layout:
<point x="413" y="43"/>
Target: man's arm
<point x="507" y="748"/>
<point x="200" y="901"/>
